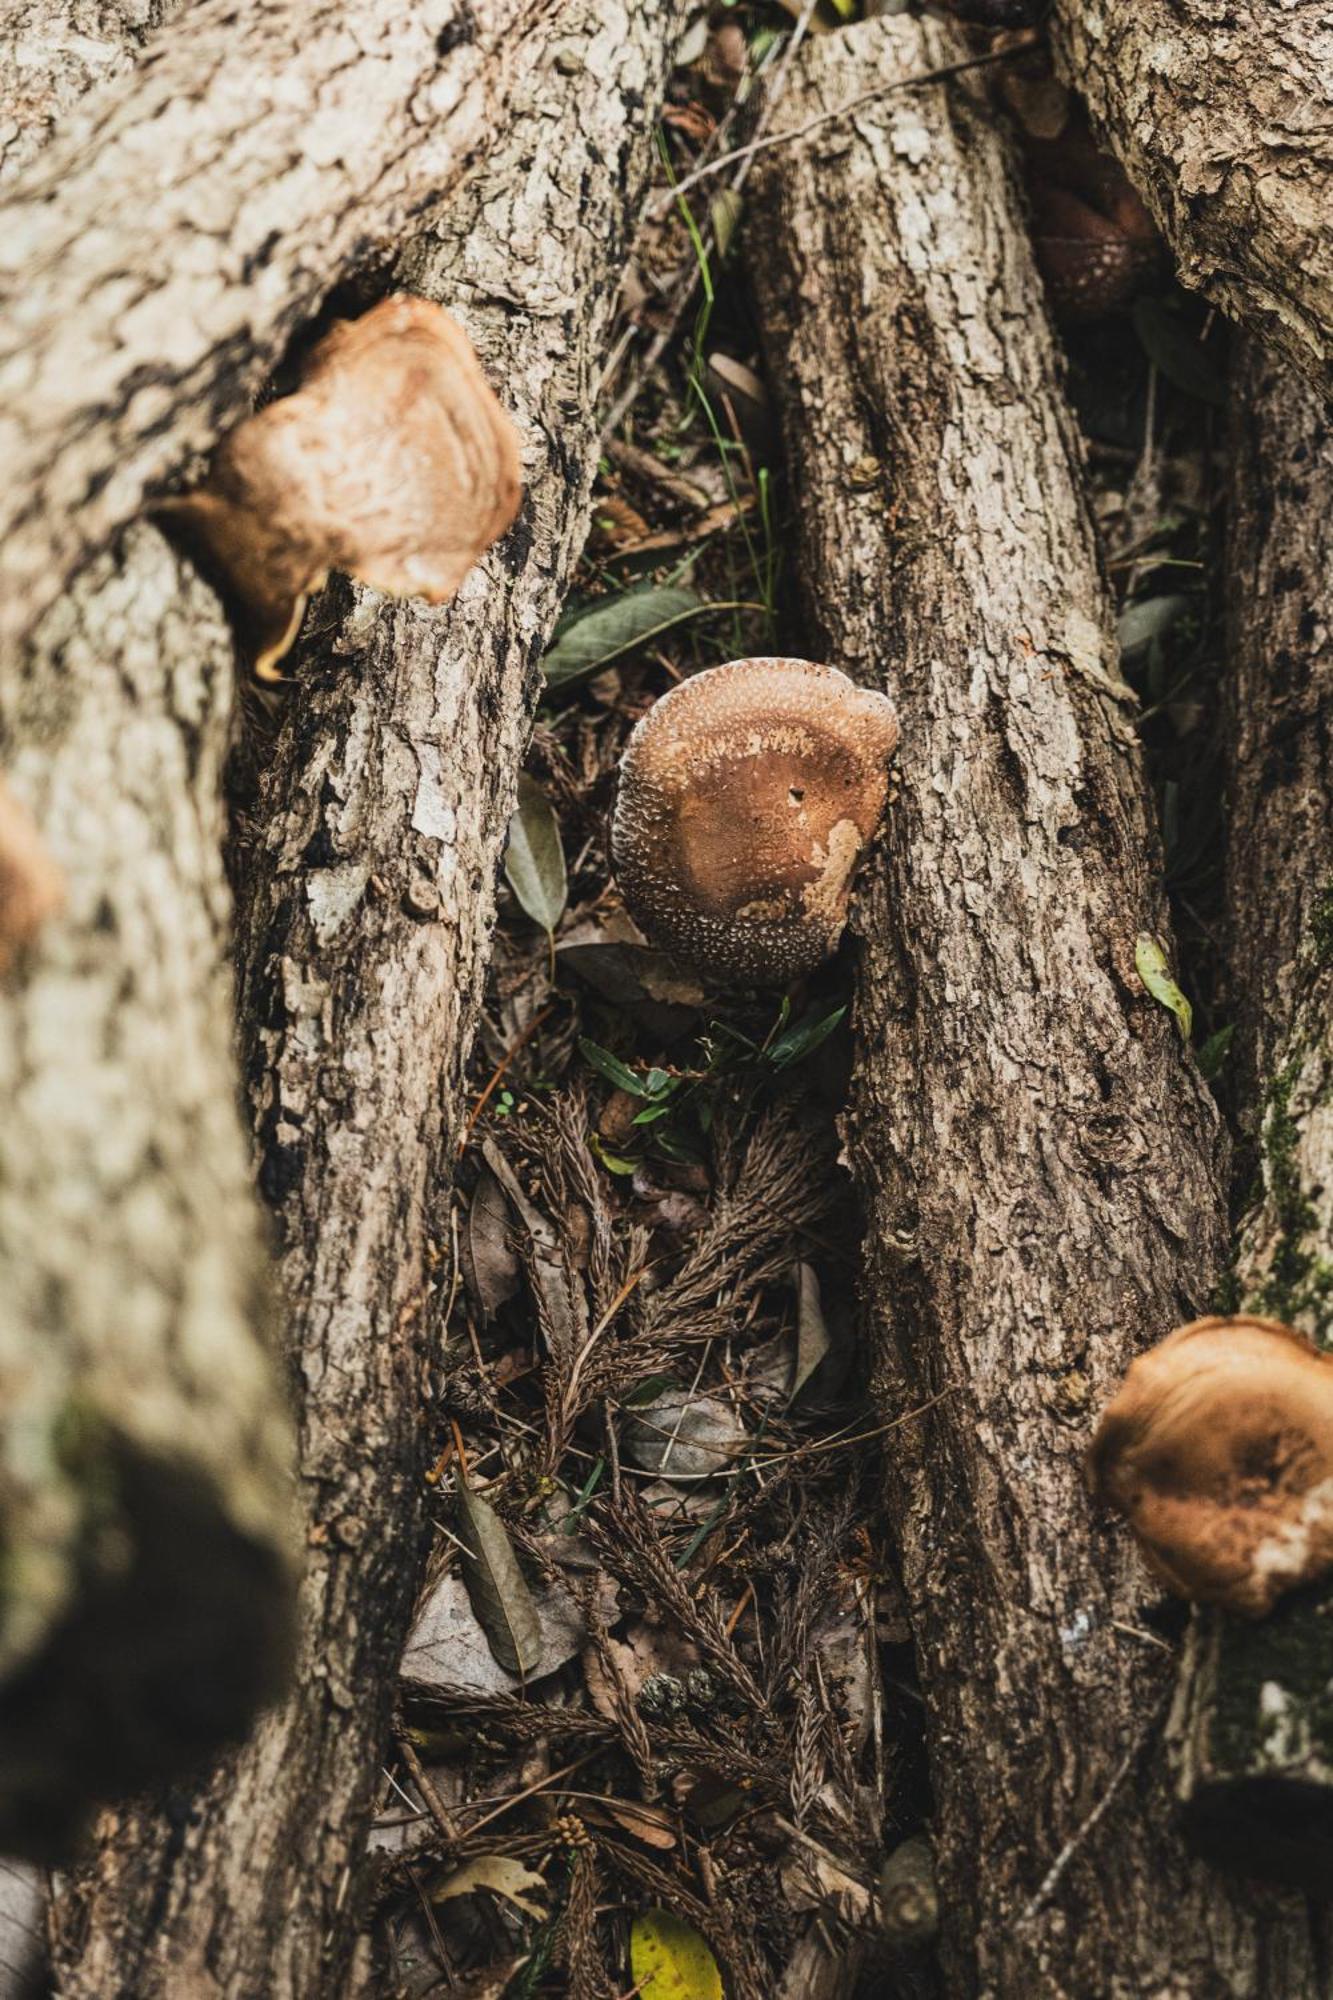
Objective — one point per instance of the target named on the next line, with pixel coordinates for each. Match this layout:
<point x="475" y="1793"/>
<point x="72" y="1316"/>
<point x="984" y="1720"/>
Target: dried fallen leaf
<point x="812" y="1336"/>
<point x="393" y="461"/>
<point x="681" y="1436"/>
<point x="496" y="1586"/>
<point x="31" y="888"/>
<point x="490" y="1262"/>
<point x="499" y="1873"/>
<point x="534" y="858"/>
<point x="670" y="1961"/>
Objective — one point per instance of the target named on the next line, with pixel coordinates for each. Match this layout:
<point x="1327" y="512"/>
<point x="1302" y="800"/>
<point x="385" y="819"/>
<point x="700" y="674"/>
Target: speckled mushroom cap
<point x="1218" y="1449"/>
<point x="747" y="796"/>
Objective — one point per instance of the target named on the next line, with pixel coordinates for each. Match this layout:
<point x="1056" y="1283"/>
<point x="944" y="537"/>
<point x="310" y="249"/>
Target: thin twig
<point x="430" y="1798"/>
<point x="766" y="141"/>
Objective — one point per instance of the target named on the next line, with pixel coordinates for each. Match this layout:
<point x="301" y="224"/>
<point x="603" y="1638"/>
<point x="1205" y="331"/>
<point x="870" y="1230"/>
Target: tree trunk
<point x="1223" y="119"/>
<point x="1252" y="1728"/>
<point x="1041" y="1167"/>
<point x="365" y="910"/>
<point x="247" y="163"/>
<point x="144" y="1442"/>
<point x="52" y="52"/>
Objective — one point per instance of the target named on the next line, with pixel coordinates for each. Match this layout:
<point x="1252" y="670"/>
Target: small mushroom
<point x="1218" y="1449"/>
<point x="31" y="886"/>
<point x="747" y="796"/>
<point x="393" y="461"/>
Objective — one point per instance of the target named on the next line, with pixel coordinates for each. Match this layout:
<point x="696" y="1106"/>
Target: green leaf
<point x="1150" y="962"/>
<point x="1214" y="1052"/>
<point x="725" y="211"/>
<point x="1169" y="344"/>
<point x="534" y="858"/>
<point x="612" y="1068"/>
<point x="670" y="1961"/>
<point x="615" y="1163"/>
<point x="592" y="638"/>
<point x="803" y="1038"/>
<point x="497" y="1590"/>
<point x="1147" y="620"/>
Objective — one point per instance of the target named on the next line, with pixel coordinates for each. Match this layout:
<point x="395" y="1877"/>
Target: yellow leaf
<point x="670" y="1961"/>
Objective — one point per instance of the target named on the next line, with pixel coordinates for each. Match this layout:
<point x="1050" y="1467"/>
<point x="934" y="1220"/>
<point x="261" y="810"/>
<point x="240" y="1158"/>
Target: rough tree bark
<point x="1252" y="1726"/>
<point x="52" y="52"/>
<point x="144" y="1441"/>
<point x="1223" y="119"/>
<point x="116" y="720"/>
<point x="252" y="160"/>
<point x="1041" y="1167"/>
<point x="364" y="918"/>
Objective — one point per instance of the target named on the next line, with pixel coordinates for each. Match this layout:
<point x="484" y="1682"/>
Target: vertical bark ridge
<point x="1252" y="1725"/>
<point x="1042" y="1169"/>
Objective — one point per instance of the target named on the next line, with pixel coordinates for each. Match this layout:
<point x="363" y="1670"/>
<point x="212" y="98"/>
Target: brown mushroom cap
<point x="393" y="461"/>
<point x="1218" y="1449"/>
<point x="747" y="796"/>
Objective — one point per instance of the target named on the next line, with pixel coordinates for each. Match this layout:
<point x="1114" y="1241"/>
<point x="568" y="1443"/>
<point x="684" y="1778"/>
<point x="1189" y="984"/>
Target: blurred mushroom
<point x="747" y="796"/>
<point x="393" y="461"/>
<point x="1218" y="1449"/>
<point x="31" y="888"/>
<point x="1094" y="241"/>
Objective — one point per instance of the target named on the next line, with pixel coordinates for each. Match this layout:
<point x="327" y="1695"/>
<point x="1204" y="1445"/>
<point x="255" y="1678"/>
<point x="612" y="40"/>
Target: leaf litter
<point x="659" y="1729"/>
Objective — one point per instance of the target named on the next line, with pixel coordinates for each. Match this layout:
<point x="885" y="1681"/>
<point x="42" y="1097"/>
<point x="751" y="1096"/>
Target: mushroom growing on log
<point x="393" y="462"/>
<point x="1042" y="1170"/>
<point x="1223" y="119"/>
<point x="747" y="796"/>
<point x="1218" y="1449"/>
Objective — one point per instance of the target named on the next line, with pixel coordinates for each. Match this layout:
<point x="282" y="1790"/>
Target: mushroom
<point x="31" y="886"/>
<point x="1218" y="1449"/>
<point x="747" y="796"/>
<point x="393" y="461"/>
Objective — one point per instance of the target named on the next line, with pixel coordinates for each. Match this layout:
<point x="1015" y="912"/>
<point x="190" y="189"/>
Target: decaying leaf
<point x="490" y="1262"/>
<point x="589" y="639"/>
<point x="31" y="888"/>
<point x="1150" y="963"/>
<point x="534" y="858"/>
<point x="496" y="1586"/>
<point x="670" y="1961"/>
<point x="393" y="461"/>
<point x="499" y="1873"/>
<point x="447" y="1650"/>
<point x="681" y="1436"/>
<point x="812" y="1336"/>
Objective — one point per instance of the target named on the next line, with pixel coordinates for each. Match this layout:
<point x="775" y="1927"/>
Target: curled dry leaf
<point x="502" y="1875"/>
<point x="393" y="461"/>
<point x="31" y="888"/>
<point x="1218" y="1449"/>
